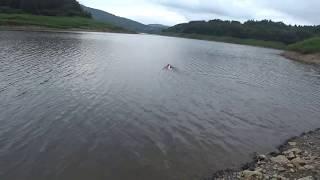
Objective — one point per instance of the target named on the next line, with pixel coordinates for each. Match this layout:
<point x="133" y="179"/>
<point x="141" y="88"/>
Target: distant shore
<point x="306" y="58"/>
<point x="29" y="22"/>
<point x="232" y="40"/>
<point x="298" y="158"/>
<point x="291" y="52"/>
<point x="47" y="29"/>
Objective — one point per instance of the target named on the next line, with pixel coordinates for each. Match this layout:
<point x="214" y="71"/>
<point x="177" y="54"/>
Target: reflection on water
<point x="100" y="106"/>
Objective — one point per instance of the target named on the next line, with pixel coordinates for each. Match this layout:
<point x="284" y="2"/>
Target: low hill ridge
<point x="126" y="23"/>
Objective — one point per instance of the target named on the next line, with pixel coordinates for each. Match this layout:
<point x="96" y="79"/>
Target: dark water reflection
<point x="99" y="106"/>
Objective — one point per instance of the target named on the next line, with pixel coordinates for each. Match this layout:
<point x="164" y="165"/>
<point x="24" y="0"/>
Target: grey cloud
<point x="289" y="11"/>
<point x="199" y="8"/>
<point x="307" y="10"/>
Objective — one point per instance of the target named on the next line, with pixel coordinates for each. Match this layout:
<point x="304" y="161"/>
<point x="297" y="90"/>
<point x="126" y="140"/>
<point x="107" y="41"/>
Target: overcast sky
<point x="171" y="12"/>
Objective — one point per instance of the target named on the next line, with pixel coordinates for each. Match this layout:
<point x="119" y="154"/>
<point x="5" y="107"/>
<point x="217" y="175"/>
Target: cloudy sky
<point x="171" y="12"/>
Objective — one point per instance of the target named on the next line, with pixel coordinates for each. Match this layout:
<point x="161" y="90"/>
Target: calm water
<point x="99" y="106"/>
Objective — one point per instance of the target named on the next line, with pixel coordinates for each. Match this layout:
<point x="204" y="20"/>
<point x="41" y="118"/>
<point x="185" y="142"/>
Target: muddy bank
<point x="306" y="58"/>
<point x="298" y="158"/>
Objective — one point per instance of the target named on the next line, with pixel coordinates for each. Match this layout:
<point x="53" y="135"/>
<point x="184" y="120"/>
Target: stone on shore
<point x="280" y="159"/>
<point x="251" y="175"/>
<point x="261" y="157"/>
<point x="298" y="162"/>
<point x="292" y="143"/>
<point x="307" y="178"/>
<point x="295" y="151"/>
<point x="291" y="156"/>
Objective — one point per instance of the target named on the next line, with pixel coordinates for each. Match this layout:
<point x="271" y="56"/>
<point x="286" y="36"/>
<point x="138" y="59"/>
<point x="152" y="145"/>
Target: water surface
<point x="99" y="106"/>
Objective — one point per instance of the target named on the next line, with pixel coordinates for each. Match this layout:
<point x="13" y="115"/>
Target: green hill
<point x="56" y="22"/>
<point x="159" y="26"/>
<point x="129" y="24"/>
<point x="57" y="14"/>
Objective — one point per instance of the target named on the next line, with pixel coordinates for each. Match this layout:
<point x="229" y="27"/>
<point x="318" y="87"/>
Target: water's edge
<point x="30" y="28"/>
<point x="266" y="166"/>
<point x="305" y="58"/>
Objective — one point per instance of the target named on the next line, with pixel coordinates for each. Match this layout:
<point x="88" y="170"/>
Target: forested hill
<point x="261" y="30"/>
<point x="129" y="24"/>
<point x="50" y="14"/>
<point x="44" y="7"/>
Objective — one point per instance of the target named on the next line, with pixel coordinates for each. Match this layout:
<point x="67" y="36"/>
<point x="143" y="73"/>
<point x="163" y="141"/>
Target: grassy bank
<point x="56" y="22"/>
<point x="307" y="51"/>
<point x="309" y="46"/>
<point x="251" y="42"/>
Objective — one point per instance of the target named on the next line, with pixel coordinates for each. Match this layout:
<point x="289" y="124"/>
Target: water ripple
<point x="97" y="106"/>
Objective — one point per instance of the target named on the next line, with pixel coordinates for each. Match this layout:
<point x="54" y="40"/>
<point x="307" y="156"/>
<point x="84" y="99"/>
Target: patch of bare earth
<point x="306" y="58"/>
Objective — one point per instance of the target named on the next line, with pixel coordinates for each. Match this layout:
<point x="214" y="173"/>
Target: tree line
<point x="44" y="7"/>
<point x="262" y="30"/>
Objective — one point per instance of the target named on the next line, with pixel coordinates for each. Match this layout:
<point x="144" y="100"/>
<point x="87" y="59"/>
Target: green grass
<point x="308" y="46"/>
<point x="251" y="42"/>
<point x="56" y="22"/>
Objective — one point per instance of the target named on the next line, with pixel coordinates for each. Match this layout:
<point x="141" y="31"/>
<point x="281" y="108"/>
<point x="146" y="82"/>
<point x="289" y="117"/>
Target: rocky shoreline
<point x="297" y="159"/>
<point x="306" y="58"/>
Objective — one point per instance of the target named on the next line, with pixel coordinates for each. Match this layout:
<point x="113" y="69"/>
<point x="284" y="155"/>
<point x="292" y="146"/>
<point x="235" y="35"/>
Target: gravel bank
<point x="306" y="58"/>
<point x="298" y="158"/>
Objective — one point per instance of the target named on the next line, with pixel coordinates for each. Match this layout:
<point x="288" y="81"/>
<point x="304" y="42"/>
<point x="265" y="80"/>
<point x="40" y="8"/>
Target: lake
<point x="100" y="106"/>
